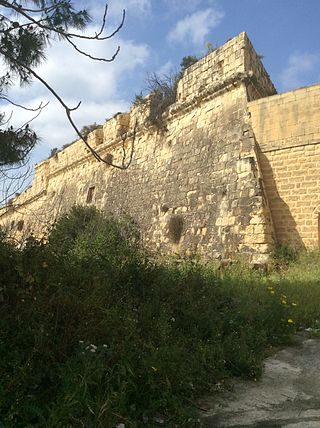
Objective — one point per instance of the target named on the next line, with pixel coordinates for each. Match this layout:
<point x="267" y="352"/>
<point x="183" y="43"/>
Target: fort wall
<point x="193" y="187"/>
<point x="233" y="171"/>
<point x="287" y="132"/>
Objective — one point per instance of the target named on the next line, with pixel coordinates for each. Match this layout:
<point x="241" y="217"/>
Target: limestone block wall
<point x="287" y="132"/>
<point x="211" y="71"/>
<point x="233" y="60"/>
<point x="192" y="187"/>
<point x="259" y="84"/>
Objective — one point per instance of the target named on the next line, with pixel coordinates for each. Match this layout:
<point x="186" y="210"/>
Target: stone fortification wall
<point x="193" y="187"/>
<point x="235" y="60"/>
<point x="259" y="84"/>
<point x="287" y="131"/>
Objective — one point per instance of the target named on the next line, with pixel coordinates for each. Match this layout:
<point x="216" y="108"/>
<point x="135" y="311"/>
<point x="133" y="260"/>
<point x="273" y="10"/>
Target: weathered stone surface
<point x="288" y="394"/>
<point x="287" y="131"/>
<point x="205" y="166"/>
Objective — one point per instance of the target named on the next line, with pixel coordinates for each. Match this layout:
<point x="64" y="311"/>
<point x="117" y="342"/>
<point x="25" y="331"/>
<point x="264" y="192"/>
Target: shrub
<point x="139" y="99"/>
<point x="163" y="92"/>
<point x="85" y="130"/>
<point x="103" y="334"/>
<point x="186" y="62"/>
<point x="285" y="254"/>
<point x="8" y="260"/>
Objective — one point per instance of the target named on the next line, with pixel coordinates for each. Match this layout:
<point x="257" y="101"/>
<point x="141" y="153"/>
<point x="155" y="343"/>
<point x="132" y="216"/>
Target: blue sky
<point x="155" y="37"/>
<point x="285" y="32"/>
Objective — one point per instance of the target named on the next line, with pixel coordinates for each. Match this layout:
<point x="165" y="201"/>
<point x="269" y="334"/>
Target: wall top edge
<point x="191" y="79"/>
<point x="315" y="87"/>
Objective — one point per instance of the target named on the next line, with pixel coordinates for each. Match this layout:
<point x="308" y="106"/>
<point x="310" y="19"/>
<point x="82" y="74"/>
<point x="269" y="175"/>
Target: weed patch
<point x="95" y="333"/>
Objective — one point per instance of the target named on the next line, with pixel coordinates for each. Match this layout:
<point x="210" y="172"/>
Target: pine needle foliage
<point x="27" y="28"/>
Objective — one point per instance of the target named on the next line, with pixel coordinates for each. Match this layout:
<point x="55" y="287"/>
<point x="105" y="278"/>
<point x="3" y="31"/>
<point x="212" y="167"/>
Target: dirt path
<point x="287" y="395"/>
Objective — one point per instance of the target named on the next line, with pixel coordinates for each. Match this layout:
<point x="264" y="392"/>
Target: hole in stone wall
<point x="12" y="225"/>
<point x="175" y="228"/>
<point x="90" y="194"/>
<point x="20" y="225"/>
<point x="109" y="158"/>
<point x="164" y="208"/>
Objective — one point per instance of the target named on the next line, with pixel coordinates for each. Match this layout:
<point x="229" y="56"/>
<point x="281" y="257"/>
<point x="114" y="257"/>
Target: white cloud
<point x="188" y="5"/>
<point x="299" y="64"/>
<point x="52" y="125"/>
<point x="136" y="8"/>
<point x="74" y="74"/>
<point x="195" y="27"/>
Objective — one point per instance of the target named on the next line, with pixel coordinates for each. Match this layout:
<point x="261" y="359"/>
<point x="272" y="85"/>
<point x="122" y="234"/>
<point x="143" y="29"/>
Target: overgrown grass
<point x="300" y="282"/>
<point x="94" y="333"/>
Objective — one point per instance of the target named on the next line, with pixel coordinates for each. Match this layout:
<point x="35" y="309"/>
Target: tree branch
<point x="64" y="33"/>
<point x="41" y="20"/>
<point x="68" y="111"/>
<point x="123" y="165"/>
<point x="90" y="56"/>
<point x="41" y="107"/>
<point x="45" y="9"/>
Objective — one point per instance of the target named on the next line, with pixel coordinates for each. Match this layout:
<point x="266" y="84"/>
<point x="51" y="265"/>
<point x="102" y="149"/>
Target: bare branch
<point x="90" y="56"/>
<point x="8" y="120"/>
<point x="104" y="17"/>
<point x="13" y="183"/>
<point x="64" y="33"/>
<point x="30" y="120"/>
<point x="40" y="107"/>
<point x="44" y="25"/>
<point x="68" y="111"/>
<point x="123" y="165"/>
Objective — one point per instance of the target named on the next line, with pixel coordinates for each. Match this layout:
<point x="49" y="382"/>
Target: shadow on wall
<point x="284" y="223"/>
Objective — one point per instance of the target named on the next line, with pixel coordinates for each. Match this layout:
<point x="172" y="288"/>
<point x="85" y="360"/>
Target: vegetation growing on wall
<point x="163" y="92"/>
<point x="95" y="333"/>
<point x="85" y="130"/>
<point x="186" y="62"/>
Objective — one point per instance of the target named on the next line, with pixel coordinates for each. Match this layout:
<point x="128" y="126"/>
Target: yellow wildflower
<point x="290" y="321"/>
<point x="272" y="292"/>
<point x="293" y="304"/>
<point x="283" y="302"/>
